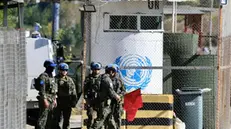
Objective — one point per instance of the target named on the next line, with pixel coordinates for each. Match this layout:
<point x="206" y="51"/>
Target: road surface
<point x="75" y="122"/>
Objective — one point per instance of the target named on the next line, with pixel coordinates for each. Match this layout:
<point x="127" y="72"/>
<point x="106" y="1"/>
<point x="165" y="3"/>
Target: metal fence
<point x="160" y="55"/>
<point x="13" y="79"/>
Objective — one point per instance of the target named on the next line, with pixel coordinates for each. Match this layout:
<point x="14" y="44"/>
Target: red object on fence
<point x="132" y="102"/>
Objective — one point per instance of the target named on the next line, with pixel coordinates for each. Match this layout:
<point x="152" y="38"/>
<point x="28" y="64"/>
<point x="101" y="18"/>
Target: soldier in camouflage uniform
<point x="117" y="108"/>
<point x="91" y="88"/>
<point x="67" y="97"/>
<point x="47" y="96"/>
<point x="106" y="94"/>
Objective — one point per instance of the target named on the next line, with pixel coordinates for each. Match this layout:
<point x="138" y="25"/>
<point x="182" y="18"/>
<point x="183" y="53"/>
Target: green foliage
<point x="71" y="36"/>
<point x="41" y="13"/>
<point x="70" y="30"/>
<point x="12" y="18"/>
<point x="38" y="13"/>
<point x="69" y="14"/>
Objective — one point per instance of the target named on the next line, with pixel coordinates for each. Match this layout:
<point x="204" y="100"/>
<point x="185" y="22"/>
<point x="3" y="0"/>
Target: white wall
<point x="106" y="47"/>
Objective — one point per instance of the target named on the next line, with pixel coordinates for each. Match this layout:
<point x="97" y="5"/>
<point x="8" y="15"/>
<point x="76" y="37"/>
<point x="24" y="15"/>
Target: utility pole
<point x="5" y="13"/>
<point x="219" y="64"/>
<point x="173" y="15"/>
<point x="84" y="52"/>
<point x="175" y="29"/>
<point x="55" y="20"/>
<point x="211" y="26"/>
<point x="87" y="9"/>
<point x="20" y="15"/>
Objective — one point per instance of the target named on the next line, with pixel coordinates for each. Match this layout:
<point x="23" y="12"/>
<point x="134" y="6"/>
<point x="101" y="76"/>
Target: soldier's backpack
<point x="37" y="82"/>
<point x="92" y="91"/>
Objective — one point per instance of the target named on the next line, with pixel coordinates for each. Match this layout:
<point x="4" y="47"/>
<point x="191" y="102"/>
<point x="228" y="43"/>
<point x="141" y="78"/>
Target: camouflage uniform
<point x="117" y="108"/>
<point x="91" y="88"/>
<point x="66" y="100"/>
<point x="48" y="91"/>
<point x="106" y="94"/>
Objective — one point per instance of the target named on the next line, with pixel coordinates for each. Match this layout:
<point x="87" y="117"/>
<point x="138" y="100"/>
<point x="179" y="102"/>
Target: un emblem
<point x="134" y="78"/>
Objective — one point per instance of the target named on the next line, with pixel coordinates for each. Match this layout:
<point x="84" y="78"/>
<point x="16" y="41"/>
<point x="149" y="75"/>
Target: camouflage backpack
<point x="37" y="82"/>
<point x="93" y="89"/>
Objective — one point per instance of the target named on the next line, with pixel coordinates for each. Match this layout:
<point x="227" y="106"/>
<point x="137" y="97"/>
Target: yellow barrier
<point x="156" y="113"/>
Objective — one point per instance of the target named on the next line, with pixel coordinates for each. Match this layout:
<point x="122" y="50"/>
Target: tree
<point x="69" y="14"/>
<point x="41" y="13"/>
<point x="71" y="36"/>
<point x="12" y="18"/>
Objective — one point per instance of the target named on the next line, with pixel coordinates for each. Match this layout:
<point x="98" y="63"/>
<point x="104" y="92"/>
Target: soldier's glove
<point x="54" y="104"/>
<point x="118" y="99"/>
<point x="46" y="103"/>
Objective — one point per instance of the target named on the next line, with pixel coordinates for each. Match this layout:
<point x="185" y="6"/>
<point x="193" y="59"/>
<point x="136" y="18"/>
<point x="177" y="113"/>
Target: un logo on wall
<point x="134" y="78"/>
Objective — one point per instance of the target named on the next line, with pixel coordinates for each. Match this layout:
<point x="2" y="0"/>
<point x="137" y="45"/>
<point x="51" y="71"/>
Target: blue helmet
<point x="63" y="66"/>
<point x="113" y="67"/>
<point x="117" y="67"/>
<point x="49" y="63"/>
<point x="96" y="66"/>
<point x="60" y="59"/>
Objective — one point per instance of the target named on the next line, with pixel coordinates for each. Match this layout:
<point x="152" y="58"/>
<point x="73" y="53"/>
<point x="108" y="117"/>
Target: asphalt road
<point x="75" y="122"/>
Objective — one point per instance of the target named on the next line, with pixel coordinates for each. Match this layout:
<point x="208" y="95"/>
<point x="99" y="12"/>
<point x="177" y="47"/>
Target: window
<point x="150" y="22"/>
<point x="133" y="22"/>
<point x="123" y="22"/>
